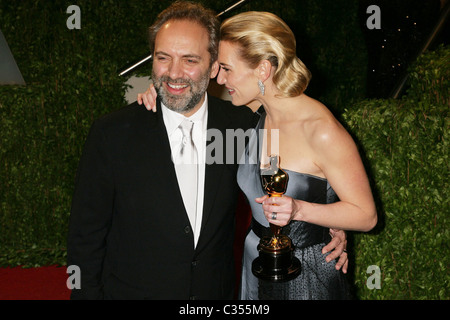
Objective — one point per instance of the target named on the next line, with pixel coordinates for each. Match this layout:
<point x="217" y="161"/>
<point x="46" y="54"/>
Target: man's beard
<point x="187" y="101"/>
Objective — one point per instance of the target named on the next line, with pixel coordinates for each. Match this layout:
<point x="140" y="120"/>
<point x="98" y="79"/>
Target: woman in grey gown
<point x="328" y="186"/>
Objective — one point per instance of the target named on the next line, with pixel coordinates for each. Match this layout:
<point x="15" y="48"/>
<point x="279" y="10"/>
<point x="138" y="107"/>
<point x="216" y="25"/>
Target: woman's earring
<point x="261" y="87"/>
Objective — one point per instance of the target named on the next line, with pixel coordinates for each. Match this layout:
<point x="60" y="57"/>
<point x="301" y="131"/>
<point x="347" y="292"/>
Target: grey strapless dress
<point x="318" y="279"/>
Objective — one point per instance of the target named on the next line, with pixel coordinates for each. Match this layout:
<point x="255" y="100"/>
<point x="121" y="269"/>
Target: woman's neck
<point x="282" y="110"/>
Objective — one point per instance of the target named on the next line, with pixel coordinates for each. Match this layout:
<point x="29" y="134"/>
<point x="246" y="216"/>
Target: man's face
<point x="181" y="65"/>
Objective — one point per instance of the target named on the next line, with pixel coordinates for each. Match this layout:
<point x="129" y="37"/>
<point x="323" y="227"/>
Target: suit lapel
<point x="217" y="119"/>
<point x="158" y="142"/>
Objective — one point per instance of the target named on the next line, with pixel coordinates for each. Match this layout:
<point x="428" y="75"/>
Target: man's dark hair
<point x="186" y="10"/>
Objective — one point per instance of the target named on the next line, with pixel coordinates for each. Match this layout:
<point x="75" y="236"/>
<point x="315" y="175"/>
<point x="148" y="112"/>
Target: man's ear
<point x="214" y="69"/>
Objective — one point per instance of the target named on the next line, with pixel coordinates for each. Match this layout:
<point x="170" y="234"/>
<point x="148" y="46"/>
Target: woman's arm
<point x="339" y="160"/>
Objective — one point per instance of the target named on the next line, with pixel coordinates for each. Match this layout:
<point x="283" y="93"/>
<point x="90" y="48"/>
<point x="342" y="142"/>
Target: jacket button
<point x="187" y="229"/>
<point x="194" y="263"/>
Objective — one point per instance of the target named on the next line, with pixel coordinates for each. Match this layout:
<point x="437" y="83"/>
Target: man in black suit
<point x="129" y="232"/>
<point x="132" y="232"/>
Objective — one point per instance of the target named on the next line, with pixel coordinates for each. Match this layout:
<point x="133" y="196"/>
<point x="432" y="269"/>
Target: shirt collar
<point x="173" y="119"/>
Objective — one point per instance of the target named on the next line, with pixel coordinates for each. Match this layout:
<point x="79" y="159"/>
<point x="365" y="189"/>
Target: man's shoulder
<point x="227" y="108"/>
<point x="125" y="112"/>
<point x="128" y="115"/>
<point x="227" y="105"/>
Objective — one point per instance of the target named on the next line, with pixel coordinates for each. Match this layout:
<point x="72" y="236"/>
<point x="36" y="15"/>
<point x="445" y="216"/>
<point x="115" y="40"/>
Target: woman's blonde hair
<point x="264" y="36"/>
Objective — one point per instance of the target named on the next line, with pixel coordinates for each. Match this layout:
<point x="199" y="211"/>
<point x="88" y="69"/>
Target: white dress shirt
<point x="172" y="120"/>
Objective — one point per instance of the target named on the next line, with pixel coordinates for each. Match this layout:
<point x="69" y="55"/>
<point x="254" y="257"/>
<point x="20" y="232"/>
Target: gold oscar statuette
<point x="276" y="261"/>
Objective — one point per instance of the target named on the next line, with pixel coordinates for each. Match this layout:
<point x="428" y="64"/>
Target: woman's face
<point x="240" y="81"/>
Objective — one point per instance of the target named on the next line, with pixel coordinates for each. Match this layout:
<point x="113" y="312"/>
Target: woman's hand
<point x="280" y="210"/>
<point x="284" y="209"/>
<point x="148" y="98"/>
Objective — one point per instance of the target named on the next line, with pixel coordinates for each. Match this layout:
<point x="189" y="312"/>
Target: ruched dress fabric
<point x="318" y="279"/>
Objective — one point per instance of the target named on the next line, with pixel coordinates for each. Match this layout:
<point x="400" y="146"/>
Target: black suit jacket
<point x="129" y="232"/>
